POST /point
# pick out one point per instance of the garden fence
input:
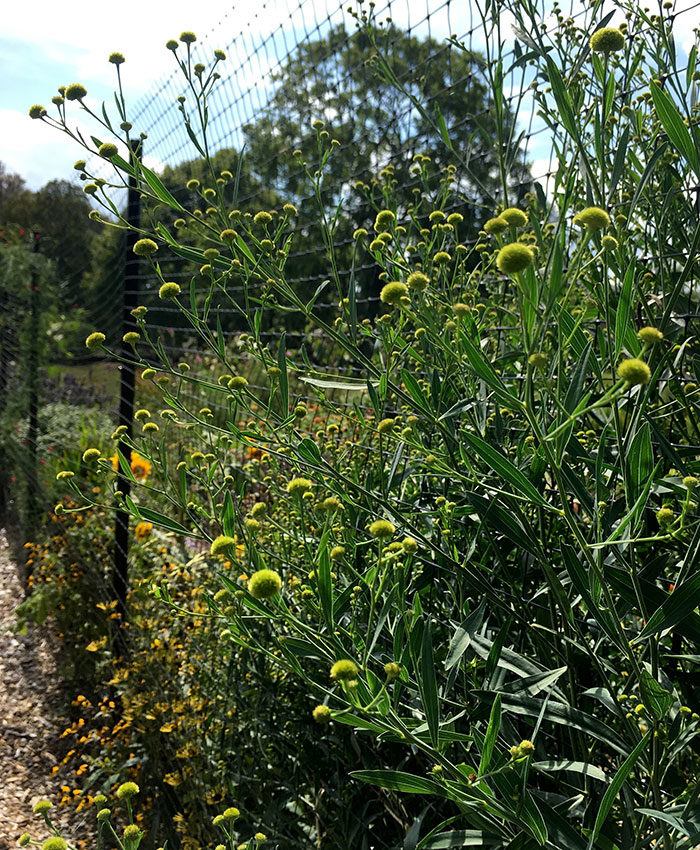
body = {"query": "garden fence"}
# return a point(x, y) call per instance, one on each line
point(259, 53)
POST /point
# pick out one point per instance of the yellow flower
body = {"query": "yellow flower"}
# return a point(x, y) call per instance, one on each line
point(143, 530)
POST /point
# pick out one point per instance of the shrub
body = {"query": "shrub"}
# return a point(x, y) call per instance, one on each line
point(525, 664)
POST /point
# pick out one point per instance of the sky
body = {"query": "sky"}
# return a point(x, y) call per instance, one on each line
point(46, 44)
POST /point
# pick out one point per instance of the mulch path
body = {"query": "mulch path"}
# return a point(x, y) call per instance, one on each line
point(33, 713)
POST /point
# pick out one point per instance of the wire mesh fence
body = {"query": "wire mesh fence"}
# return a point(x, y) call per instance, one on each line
point(289, 65)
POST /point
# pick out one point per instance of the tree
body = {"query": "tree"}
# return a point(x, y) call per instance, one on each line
point(59, 212)
point(10, 184)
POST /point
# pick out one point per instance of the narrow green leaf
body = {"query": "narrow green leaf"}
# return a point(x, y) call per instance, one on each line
point(684, 599)
point(228, 515)
point(335, 383)
point(672, 122)
point(504, 467)
point(308, 451)
point(442, 127)
point(428, 685)
point(397, 780)
point(165, 522)
point(624, 307)
point(559, 713)
point(656, 698)
point(460, 838)
point(640, 457)
point(572, 766)
point(491, 736)
point(463, 635)
point(159, 190)
point(283, 377)
point(325, 584)
point(615, 786)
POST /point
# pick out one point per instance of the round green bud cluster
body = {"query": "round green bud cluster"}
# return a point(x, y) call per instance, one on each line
point(442, 258)
point(188, 37)
point(592, 218)
point(262, 217)
point(260, 836)
point(192, 184)
point(131, 832)
point(526, 748)
point(650, 335)
point(337, 553)
point(231, 813)
point(144, 247)
point(107, 150)
point(221, 544)
point(298, 486)
point(64, 474)
point(42, 806)
point(514, 216)
point(665, 516)
point(54, 843)
point(91, 454)
point(514, 258)
point(386, 426)
point(171, 44)
point(95, 341)
point(131, 337)
point(117, 58)
point(252, 525)
point(460, 309)
point(80, 165)
point(127, 790)
point(494, 226)
point(90, 188)
point(258, 509)
point(607, 40)
point(410, 546)
point(219, 55)
point(609, 243)
point(344, 670)
point(538, 360)
point(58, 100)
point(322, 714)
point(150, 427)
point(382, 528)
point(331, 504)
point(199, 70)
point(384, 220)
point(228, 235)
point(169, 290)
point(103, 815)
point(634, 371)
point(418, 281)
point(76, 91)
point(24, 839)
point(37, 111)
point(690, 482)
point(393, 292)
point(264, 583)
point(237, 382)
point(392, 671)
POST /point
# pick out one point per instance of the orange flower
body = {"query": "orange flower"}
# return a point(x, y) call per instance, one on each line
point(143, 530)
point(140, 466)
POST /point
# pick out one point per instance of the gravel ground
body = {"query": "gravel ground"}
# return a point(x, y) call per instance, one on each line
point(32, 716)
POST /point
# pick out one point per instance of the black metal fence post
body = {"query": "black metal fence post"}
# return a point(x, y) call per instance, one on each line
point(120, 574)
point(33, 400)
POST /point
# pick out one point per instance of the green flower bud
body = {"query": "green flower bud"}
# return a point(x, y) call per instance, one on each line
point(607, 40)
point(75, 91)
